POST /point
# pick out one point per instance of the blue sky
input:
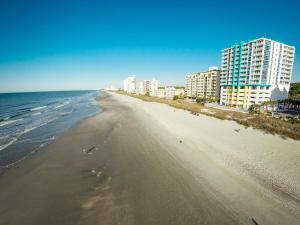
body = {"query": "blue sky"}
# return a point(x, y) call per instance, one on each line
point(69, 44)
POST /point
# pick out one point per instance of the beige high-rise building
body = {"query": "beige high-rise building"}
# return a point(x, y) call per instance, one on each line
point(204, 84)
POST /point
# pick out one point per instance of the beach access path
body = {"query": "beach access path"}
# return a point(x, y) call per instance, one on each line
point(147, 163)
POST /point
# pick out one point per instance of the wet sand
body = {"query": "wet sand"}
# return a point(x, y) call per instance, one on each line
point(126, 166)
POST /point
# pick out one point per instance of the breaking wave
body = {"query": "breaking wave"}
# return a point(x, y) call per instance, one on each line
point(7, 122)
point(38, 108)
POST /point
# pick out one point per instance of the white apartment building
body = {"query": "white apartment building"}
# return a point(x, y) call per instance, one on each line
point(144, 87)
point(130, 84)
point(170, 92)
point(255, 72)
point(203, 84)
point(153, 87)
point(148, 87)
point(141, 88)
point(111, 88)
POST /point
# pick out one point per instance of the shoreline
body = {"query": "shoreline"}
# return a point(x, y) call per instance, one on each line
point(147, 163)
point(3, 169)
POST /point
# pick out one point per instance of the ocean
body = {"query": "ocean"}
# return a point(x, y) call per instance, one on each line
point(30, 121)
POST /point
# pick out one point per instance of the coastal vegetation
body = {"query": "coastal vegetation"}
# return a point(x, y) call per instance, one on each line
point(255, 108)
point(294, 92)
point(175, 97)
point(262, 121)
point(202, 101)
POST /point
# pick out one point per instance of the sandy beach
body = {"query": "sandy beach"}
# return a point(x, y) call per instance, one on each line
point(150, 164)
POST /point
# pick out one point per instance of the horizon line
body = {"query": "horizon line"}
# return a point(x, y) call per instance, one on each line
point(13, 92)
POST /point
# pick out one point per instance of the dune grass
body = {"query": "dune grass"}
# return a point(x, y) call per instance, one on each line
point(264, 122)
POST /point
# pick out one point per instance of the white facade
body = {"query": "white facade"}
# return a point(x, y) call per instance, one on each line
point(170, 92)
point(255, 72)
point(203, 84)
point(141, 89)
point(146, 86)
point(153, 87)
point(111, 88)
point(130, 85)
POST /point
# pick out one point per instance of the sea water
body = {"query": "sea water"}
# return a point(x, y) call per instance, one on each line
point(29, 121)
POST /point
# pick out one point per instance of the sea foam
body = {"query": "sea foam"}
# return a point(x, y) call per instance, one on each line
point(38, 108)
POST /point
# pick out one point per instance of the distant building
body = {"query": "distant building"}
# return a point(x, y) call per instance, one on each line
point(130, 85)
point(190, 88)
point(141, 88)
point(153, 87)
point(180, 91)
point(161, 92)
point(146, 86)
point(170, 92)
point(111, 88)
point(204, 84)
point(255, 72)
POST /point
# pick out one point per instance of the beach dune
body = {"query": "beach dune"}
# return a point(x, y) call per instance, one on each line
point(150, 164)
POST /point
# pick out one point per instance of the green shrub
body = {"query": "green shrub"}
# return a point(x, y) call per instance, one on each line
point(175, 97)
point(254, 109)
point(200, 100)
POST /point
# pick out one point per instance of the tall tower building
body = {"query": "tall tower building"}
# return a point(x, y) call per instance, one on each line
point(254, 72)
point(153, 87)
point(129, 84)
point(146, 86)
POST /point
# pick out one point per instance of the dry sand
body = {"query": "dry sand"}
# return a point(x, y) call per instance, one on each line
point(148, 163)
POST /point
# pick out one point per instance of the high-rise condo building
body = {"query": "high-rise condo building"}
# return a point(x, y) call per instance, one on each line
point(130, 84)
point(148, 87)
point(255, 72)
point(153, 87)
point(203, 84)
point(144, 87)
point(141, 88)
